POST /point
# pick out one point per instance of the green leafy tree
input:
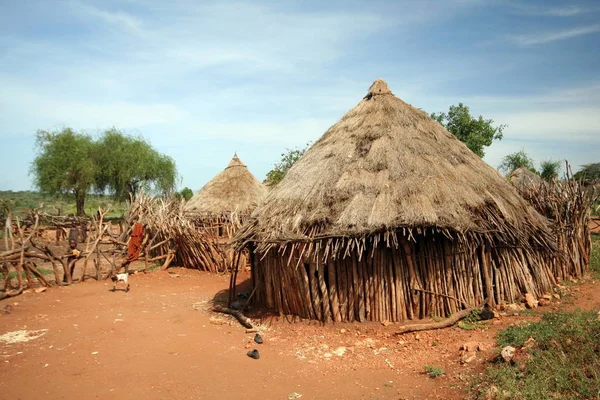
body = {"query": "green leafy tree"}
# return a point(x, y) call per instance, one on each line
point(516, 160)
point(549, 170)
point(64, 164)
point(127, 164)
point(589, 173)
point(476, 133)
point(288, 159)
point(186, 193)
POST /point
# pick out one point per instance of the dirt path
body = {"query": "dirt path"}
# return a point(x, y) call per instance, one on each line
point(153, 343)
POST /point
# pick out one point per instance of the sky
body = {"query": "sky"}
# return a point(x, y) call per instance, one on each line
point(201, 80)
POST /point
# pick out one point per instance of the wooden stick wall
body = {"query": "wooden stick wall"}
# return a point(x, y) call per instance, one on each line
point(434, 276)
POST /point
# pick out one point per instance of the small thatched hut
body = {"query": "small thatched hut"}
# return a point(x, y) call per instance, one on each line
point(223, 203)
point(389, 217)
point(522, 178)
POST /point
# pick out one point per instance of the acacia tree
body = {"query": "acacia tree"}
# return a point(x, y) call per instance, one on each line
point(516, 160)
point(476, 133)
point(288, 158)
point(186, 193)
point(589, 173)
point(64, 164)
point(127, 164)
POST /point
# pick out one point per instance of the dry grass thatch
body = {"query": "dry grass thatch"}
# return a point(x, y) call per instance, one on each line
point(523, 179)
point(387, 165)
point(234, 189)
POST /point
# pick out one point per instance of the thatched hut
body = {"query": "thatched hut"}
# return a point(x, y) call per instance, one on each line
point(389, 217)
point(522, 178)
point(222, 204)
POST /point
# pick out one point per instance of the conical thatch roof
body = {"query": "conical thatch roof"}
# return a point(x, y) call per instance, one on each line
point(234, 189)
point(387, 165)
point(523, 178)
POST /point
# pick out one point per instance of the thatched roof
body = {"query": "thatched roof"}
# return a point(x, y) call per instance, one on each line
point(387, 165)
point(522, 178)
point(234, 189)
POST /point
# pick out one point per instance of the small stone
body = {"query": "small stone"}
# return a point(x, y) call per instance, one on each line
point(468, 356)
point(543, 302)
point(343, 330)
point(530, 301)
point(417, 337)
point(472, 346)
point(547, 297)
point(386, 323)
point(556, 296)
point(41, 289)
point(94, 353)
point(514, 307)
point(253, 354)
point(327, 355)
point(521, 356)
point(339, 351)
point(529, 343)
point(258, 339)
point(508, 353)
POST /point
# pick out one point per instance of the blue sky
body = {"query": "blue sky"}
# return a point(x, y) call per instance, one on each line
point(202, 80)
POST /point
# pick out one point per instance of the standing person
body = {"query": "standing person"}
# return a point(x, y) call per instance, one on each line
point(72, 255)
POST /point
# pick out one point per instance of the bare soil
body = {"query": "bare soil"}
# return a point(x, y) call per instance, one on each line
point(160, 340)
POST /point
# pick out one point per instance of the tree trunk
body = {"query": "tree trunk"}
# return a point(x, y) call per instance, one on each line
point(80, 201)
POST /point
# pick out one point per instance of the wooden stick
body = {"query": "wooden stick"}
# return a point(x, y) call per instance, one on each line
point(442, 324)
point(245, 321)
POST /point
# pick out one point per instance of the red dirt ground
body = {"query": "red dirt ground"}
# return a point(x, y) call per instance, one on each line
point(160, 341)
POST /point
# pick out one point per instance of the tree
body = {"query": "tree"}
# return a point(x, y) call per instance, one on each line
point(516, 160)
point(127, 164)
point(288, 159)
point(549, 170)
point(186, 193)
point(589, 173)
point(476, 133)
point(64, 164)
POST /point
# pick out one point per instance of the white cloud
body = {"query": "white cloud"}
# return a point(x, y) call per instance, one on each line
point(548, 37)
point(568, 124)
point(117, 19)
point(568, 11)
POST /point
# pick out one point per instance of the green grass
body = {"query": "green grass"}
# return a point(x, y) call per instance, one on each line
point(13, 274)
point(434, 372)
point(472, 322)
point(595, 256)
point(564, 364)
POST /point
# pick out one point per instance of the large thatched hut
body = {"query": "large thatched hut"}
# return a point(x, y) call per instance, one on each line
point(222, 204)
point(389, 217)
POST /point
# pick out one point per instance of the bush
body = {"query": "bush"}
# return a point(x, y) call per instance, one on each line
point(434, 372)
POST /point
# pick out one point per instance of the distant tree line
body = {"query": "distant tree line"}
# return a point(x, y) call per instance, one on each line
point(73, 163)
point(548, 169)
